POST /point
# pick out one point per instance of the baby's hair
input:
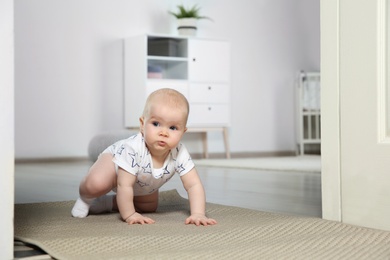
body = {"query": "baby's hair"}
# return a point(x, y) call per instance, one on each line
point(169, 96)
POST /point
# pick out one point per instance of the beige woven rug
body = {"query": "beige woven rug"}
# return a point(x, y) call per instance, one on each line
point(240, 234)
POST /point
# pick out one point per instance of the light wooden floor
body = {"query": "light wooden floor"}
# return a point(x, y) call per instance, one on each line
point(285, 192)
point(297, 193)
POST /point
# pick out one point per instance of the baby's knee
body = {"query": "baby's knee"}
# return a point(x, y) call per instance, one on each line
point(151, 208)
point(148, 207)
point(96, 185)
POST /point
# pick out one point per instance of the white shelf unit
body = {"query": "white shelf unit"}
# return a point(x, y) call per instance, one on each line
point(308, 110)
point(198, 68)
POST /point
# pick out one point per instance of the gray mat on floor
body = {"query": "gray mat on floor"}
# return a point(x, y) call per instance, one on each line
point(307, 163)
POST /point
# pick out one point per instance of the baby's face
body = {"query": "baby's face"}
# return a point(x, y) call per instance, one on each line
point(163, 128)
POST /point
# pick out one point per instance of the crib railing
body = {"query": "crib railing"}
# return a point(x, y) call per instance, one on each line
point(308, 110)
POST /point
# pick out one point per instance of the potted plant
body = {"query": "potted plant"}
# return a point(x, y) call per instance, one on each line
point(187, 19)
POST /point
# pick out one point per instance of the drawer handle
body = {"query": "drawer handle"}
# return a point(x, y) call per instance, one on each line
point(209, 108)
point(209, 87)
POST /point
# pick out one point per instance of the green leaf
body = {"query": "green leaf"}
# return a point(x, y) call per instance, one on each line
point(184, 12)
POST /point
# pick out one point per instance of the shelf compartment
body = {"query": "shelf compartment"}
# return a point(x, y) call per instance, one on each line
point(167, 47)
point(169, 68)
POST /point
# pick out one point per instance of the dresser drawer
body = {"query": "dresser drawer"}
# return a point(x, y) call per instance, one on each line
point(178, 85)
point(208, 115)
point(208, 93)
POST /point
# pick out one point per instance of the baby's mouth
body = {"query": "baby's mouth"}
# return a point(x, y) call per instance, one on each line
point(161, 143)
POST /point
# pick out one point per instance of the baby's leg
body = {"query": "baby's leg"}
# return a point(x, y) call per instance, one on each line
point(145, 204)
point(103, 204)
point(100, 179)
point(108, 203)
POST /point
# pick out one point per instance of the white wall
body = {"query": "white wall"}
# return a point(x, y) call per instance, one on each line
point(6, 129)
point(69, 75)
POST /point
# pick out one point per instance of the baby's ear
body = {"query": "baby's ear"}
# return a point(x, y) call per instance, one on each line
point(141, 124)
point(185, 129)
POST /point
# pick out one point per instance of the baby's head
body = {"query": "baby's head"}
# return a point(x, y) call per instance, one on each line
point(167, 97)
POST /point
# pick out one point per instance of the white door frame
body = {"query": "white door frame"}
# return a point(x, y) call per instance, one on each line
point(7, 128)
point(355, 116)
point(330, 111)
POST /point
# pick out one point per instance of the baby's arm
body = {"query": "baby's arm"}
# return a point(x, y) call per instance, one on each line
point(197, 198)
point(125, 197)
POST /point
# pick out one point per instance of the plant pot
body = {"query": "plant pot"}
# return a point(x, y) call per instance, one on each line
point(187, 26)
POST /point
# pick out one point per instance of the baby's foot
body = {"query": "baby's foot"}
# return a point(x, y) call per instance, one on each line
point(81, 208)
point(102, 204)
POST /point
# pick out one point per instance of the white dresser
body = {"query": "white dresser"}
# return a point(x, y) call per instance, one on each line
point(198, 68)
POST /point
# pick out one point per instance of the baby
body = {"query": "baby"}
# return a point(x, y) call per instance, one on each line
point(135, 168)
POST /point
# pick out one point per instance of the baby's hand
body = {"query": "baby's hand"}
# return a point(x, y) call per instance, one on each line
point(137, 218)
point(199, 219)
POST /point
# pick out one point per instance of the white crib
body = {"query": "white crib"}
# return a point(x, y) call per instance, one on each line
point(308, 110)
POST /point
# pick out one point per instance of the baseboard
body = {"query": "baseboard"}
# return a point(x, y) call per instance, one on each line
point(193, 155)
point(51, 160)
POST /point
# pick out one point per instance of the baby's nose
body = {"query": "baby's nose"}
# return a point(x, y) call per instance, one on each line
point(164, 132)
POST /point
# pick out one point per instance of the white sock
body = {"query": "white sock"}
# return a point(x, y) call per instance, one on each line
point(81, 208)
point(102, 204)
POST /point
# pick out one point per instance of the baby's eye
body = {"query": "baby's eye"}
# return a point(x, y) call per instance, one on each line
point(173, 128)
point(156, 123)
